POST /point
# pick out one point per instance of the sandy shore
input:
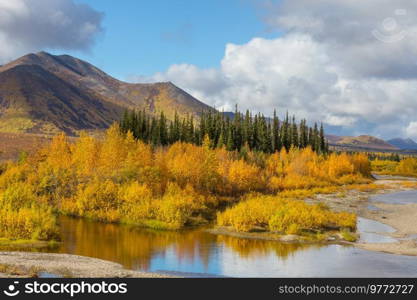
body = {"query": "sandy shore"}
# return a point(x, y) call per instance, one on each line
point(30, 264)
point(403, 218)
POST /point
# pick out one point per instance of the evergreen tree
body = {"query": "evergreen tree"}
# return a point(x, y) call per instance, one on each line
point(322, 139)
point(244, 131)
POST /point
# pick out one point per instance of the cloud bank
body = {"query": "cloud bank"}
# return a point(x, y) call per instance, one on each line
point(33, 25)
point(351, 64)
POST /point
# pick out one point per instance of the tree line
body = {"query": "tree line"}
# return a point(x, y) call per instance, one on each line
point(242, 131)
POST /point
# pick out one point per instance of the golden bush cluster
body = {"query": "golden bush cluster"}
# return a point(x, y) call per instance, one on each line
point(283, 215)
point(23, 216)
point(405, 167)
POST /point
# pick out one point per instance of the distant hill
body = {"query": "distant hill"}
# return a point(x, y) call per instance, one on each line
point(363, 142)
point(403, 144)
point(44, 93)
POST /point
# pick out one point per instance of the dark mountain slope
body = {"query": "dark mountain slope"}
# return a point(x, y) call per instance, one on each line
point(43, 102)
point(42, 93)
point(403, 144)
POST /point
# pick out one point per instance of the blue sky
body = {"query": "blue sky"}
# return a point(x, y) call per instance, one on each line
point(144, 37)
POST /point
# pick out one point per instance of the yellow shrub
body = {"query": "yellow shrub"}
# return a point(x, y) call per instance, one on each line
point(98, 200)
point(18, 195)
point(407, 167)
point(178, 205)
point(361, 164)
point(244, 177)
point(34, 223)
point(384, 166)
point(339, 165)
point(23, 216)
point(136, 202)
point(283, 215)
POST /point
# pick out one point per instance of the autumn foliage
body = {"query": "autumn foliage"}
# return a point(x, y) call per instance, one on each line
point(406, 166)
point(283, 215)
point(120, 179)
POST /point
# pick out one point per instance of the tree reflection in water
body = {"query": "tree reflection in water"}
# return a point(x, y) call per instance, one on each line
point(135, 248)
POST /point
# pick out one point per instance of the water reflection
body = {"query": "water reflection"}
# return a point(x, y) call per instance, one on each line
point(252, 249)
point(141, 249)
point(130, 246)
point(197, 253)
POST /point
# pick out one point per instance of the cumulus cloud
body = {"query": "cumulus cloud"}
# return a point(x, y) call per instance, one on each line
point(412, 130)
point(382, 33)
point(351, 64)
point(32, 25)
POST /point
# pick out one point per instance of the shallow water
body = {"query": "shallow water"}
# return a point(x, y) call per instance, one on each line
point(372, 231)
point(195, 253)
point(48, 275)
point(373, 207)
point(405, 197)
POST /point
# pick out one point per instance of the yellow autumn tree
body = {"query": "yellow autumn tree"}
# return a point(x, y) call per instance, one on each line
point(113, 152)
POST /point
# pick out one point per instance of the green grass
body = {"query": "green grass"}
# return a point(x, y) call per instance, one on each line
point(348, 236)
point(22, 243)
point(158, 225)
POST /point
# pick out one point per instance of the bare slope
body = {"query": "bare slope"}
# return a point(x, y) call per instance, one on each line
point(362, 141)
point(44, 93)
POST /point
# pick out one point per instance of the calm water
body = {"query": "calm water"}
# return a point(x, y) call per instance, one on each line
point(373, 232)
point(405, 197)
point(197, 253)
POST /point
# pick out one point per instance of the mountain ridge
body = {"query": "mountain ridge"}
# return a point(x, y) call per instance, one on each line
point(403, 144)
point(362, 141)
point(29, 104)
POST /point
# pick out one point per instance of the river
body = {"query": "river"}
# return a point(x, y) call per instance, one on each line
point(196, 253)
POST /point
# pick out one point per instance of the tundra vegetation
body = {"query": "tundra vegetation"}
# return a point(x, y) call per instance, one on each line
point(122, 179)
point(405, 166)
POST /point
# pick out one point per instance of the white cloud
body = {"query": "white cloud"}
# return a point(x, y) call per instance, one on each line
point(33, 25)
point(328, 66)
point(412, 130)
point(382, 33)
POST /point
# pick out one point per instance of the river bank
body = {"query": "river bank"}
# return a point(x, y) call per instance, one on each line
point(402, 217)
point(32, 264)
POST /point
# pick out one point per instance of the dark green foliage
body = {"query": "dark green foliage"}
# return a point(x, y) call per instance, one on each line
point(385, 156)
point(242, 133)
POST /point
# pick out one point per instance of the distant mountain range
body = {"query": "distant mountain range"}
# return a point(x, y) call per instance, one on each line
point(44, 93)
point(367, 142)
point(363, 141)
point(405, 144)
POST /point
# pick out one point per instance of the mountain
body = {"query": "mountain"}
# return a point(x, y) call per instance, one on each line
point(362, 142)
point(44, 93)
point(403, 144)
point(333, 139)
